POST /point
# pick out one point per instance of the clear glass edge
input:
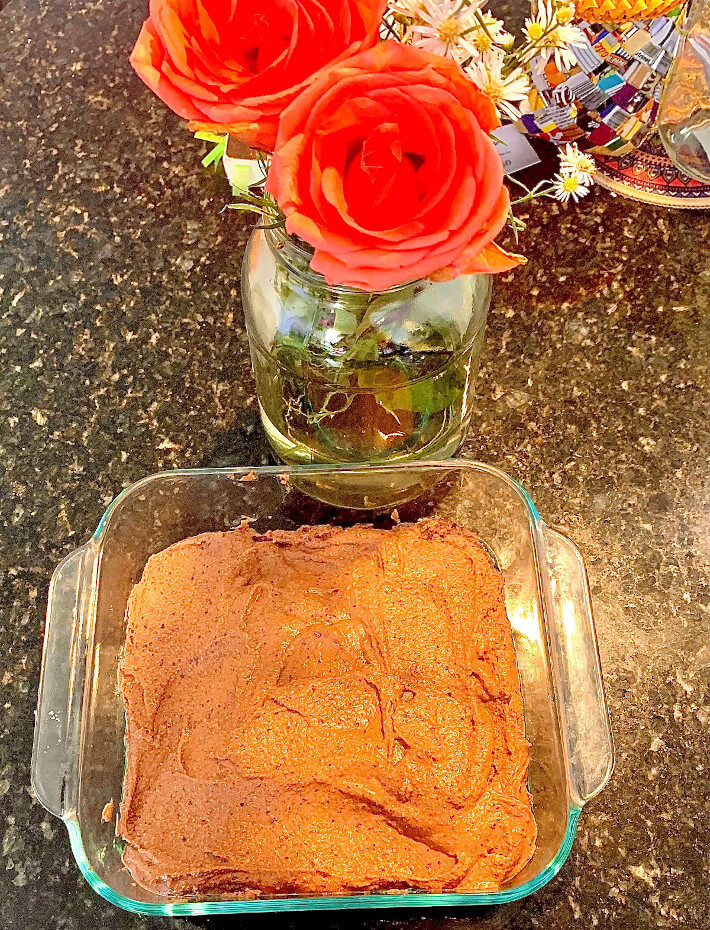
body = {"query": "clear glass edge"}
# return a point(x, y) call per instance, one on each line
point(611, 761)
point(42, 699)
point(275, 470)
point(340, 290)
point(385, 901)
point(413, 899)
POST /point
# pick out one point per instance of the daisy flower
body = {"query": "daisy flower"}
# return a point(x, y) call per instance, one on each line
point(550, 34)
point(440, 27)
point(576, 163)
point(506, 92)
point(566, 187)
point(536, 25)
point(484, 34)
point(557, 45)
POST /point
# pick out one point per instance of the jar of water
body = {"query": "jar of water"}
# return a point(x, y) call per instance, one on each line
point(344, 375)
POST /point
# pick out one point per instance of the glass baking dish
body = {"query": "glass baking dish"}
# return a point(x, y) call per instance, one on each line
point(78, 756)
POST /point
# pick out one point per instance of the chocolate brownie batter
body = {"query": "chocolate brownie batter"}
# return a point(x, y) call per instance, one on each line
point(323, 711)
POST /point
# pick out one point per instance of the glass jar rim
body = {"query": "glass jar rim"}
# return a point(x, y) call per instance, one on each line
point(297, 258)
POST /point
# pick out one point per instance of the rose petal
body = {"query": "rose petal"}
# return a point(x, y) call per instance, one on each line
point(146, 59)
point(492, 259)
point(236, 66)
point(384, 165)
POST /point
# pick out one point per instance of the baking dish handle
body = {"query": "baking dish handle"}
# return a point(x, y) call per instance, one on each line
point(577, 669)
point(55, 749)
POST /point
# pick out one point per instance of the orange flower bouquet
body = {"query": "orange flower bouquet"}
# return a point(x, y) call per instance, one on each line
point(367, 283)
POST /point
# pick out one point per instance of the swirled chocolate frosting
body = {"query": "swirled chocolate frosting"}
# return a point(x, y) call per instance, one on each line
point(323, 711)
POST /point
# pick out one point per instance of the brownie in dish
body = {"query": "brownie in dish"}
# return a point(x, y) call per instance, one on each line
point(323, 711)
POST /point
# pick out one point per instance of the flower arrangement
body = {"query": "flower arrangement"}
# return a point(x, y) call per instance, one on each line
point(483, 48)
point(375, 123)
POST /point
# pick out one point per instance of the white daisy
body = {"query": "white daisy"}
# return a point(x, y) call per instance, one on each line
point(483, 35)
point(440, 27)
point(550, 34)
point(533, 31)
point(558, 45)
point(542, 20)
point(568, 187)
point(576, 163)
point(506, 92)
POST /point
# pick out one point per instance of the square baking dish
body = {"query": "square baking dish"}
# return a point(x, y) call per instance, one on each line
point(78, 756)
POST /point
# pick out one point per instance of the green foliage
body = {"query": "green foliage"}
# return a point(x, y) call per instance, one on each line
point(331, 359)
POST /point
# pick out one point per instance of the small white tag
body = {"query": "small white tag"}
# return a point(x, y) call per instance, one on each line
point(514, 149)
point(241, 173)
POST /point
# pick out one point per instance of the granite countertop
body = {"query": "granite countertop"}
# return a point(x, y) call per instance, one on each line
point(123, 351)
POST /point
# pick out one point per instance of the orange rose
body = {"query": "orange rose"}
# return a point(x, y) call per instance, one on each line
point(234, 66)
point(384, 165)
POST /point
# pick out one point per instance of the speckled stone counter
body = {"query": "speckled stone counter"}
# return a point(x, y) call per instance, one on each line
point(123, 351)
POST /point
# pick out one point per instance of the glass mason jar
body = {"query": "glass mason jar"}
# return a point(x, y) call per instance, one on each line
point(684, 112)
point(344, 375)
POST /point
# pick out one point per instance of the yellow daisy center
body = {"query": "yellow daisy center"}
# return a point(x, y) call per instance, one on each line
point(552, 40)
point(570, 183)
point(535, 30)
point(481, 41)
point(496, 93)
point(449, 30)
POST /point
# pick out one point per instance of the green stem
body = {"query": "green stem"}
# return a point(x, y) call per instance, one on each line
point(534, 194)
point(482, 23)
point(513, 223)
point(516, 58)
point(519, 183)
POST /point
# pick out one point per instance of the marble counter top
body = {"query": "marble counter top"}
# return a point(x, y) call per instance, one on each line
point(123, 351)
